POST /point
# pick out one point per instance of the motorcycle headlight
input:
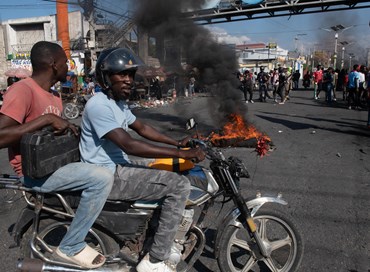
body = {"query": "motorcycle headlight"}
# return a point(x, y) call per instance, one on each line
point(237, 168)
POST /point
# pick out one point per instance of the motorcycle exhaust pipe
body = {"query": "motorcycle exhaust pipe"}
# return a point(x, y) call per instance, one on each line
point(36, 265)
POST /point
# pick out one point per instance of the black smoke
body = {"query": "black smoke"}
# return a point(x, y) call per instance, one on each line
point(215, 63)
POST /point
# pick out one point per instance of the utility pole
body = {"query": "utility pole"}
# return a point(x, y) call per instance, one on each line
point(88, 7)
point(335, 51)
point(63, 25)
point(337, 29)
point(351, 55)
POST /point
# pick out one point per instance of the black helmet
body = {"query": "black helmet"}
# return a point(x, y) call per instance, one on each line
point(115, 60)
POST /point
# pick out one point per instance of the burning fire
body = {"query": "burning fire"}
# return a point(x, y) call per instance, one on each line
point(236, 132)
point(237, 128)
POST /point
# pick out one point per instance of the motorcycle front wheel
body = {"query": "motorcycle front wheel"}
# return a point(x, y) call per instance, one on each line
point(51, 233)
point(279, 235)
point(71, 111)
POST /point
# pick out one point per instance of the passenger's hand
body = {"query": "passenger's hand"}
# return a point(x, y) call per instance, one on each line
point(61, 125)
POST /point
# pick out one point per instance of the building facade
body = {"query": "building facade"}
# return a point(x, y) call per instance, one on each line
point(17, 37)
point(252, 56)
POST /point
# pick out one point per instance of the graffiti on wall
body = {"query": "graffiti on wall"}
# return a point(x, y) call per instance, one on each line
point(21, 63)
point(75, 64)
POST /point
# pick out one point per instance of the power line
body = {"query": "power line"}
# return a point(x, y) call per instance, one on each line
point(63, 2)
point(25, 6)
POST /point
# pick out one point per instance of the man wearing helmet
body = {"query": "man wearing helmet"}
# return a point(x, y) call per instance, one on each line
point(105, 141)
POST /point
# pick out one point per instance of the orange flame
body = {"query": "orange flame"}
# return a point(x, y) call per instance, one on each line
point(237, 128)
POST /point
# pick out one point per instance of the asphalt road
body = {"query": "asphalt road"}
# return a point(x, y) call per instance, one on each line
point(320, 163)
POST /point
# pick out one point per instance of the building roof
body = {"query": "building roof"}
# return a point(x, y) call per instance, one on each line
point(250, 46)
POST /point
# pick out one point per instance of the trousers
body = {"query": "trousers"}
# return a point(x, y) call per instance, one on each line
point(136, 181)
point(95, 182)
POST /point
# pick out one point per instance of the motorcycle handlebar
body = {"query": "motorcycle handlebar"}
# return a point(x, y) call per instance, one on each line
point(207, 148)
point(196, 142)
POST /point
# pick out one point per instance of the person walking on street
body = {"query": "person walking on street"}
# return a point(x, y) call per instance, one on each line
point(361, 89)
point(248, 87)
point(341, 83)
point(307, 79)
point(262, 79)
point(335, 83)
point(288, 83)
point(353, 86)
point(296, 76)
point(317, 79)
point(275, 84)
point(282, 83)
point(328, 80)
point(29, 105)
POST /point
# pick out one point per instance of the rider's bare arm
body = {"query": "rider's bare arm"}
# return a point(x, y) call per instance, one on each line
point(150, 133)
point(143, 149)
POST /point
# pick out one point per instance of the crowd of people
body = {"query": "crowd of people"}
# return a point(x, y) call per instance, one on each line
point(354, 85)
point(276, 83)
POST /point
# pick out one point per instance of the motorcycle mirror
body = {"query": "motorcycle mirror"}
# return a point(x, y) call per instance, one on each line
point(190, 124)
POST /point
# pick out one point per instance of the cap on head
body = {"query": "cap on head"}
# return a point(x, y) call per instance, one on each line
point(115, 60)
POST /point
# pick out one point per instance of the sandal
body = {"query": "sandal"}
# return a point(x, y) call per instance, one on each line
point(84, 258)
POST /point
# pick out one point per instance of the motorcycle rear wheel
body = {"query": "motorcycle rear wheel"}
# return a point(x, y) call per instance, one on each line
point(71, 111)
point(52, 231)
point(279, 234)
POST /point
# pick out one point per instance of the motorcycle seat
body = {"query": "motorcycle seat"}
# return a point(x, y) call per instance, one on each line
point(73, 199)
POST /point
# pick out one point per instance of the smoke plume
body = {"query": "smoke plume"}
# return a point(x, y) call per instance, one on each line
point(350, 35)
point(215, 63)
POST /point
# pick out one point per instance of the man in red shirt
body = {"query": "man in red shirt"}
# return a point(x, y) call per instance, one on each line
point(28, 106)
point(317, 79)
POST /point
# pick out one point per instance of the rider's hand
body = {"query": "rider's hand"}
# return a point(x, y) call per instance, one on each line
point(200, 155)
point(184, 142)
point(195, 154)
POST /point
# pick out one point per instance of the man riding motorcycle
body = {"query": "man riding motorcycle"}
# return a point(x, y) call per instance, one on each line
point(106, 142)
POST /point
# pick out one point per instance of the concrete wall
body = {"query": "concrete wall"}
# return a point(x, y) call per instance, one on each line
point(78, 26)
point(3, 63)
point(21, 34)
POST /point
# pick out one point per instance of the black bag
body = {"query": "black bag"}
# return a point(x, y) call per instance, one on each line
point(43, 152)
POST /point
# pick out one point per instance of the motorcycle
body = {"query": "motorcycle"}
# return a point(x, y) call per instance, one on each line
point(254, 235)
point(73, 109)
